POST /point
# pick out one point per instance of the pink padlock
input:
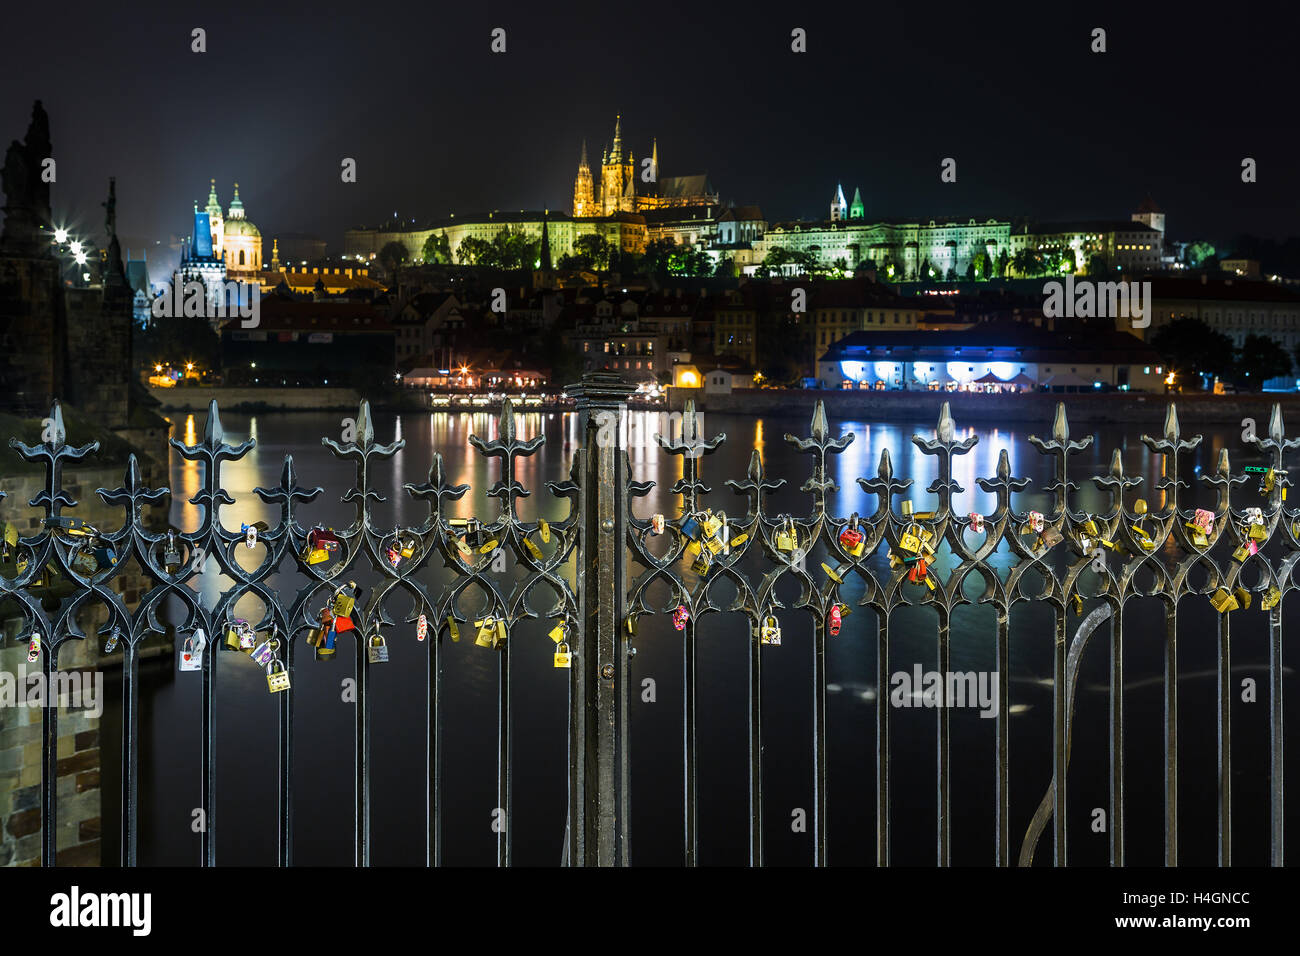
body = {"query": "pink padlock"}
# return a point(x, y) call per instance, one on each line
point(1036, 522)
point(422, 628)
point(1204, 520)
point(34, 648)
point(977, 522)
point(680, 617)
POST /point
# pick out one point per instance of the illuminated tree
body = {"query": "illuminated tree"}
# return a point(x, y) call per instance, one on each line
point(474, 252)
point(594, 249)
point(437, 249)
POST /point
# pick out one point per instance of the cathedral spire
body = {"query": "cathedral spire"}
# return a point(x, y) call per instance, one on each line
point(236, 207)
point(654, 157)
point(582, 163)
point(616, 151)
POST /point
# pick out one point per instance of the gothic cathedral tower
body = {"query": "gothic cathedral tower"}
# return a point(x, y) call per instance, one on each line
point(584, 198)
point(617, 192)
point(215, 221)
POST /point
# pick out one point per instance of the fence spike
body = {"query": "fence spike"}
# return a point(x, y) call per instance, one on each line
point(213, 433)
point(1117, 464)
point(1275, 429)
point(1171, 423)
point(1061, 424)
point(820, 426)
point(506, 425)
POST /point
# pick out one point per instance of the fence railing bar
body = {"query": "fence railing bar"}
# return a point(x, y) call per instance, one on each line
point(208, 755)
point(49, 767)
point(1171, 737)
point(882, 738)
point(362, 749)
point(130, 758)
point(506, 820)
point(943, 767)
point(285, 786)
point(433, 753)
point(1060, 738)
point(1116, 738)
point(1223, 740)
point(820, 821)
point(690, 767)
point(1276, 739)
point(755, 751)
point(1002, 747)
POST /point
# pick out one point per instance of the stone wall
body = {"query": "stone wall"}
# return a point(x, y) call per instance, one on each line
point(257, 399)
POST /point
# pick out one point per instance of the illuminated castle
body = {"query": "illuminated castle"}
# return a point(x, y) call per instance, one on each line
point(617, 188)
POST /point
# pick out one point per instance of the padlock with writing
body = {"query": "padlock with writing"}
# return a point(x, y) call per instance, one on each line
point(453, 631)
point(680, 617)
point(421, 628)
point(691, 527)
point(264, 652)
point(191, 658)
point(344, 603)
point(786, 538)
point(34, 648)
point(1270, 598)
point(657, 523)
point(562, 656)
point(834, 619)
point(83, 561)
point(976, 522)
point(1034, 522)
point(377, 652)
point(770, 631)
point(487, 632)
point(277, 676)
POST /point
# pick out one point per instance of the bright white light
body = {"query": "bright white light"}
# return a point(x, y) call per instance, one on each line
point(81, 258)
point(75, 247)
point(60, 236)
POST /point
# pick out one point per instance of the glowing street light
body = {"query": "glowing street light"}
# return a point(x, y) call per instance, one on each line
point(81, 258)
point(60, 236)
point(75, 247)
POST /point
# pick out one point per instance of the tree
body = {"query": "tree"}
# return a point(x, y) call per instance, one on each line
point(1259, 359)
point(437, 249)
point(392, 256)
point(593, 248)
point(1098, 265)
point(657, 253)
point(1191, 347)
point(726, 267)
point(1197, 253)
point(1003, 260)
point(971, 270)
point(474, 252)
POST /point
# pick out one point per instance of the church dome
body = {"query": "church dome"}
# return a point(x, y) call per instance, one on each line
point(241, 227)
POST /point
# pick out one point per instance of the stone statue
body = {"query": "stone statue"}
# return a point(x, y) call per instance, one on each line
point(27, 195)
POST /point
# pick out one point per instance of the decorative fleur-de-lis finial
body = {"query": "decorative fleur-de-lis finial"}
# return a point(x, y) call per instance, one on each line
point(287, 492)
point(884, 485)
point(1115, 482)
point(819, 444)
point(692, 443)
point(507, 447)
point(755, 483)
point(134, 494)
point(1061, 425)
point(1223, 480)
point(53, 451)
point(1002, 485)
point(1171, 445)
point(1060, 447)
point(435, 490)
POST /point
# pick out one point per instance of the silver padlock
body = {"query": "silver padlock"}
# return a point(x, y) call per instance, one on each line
point(377, 652)
point(192, 651)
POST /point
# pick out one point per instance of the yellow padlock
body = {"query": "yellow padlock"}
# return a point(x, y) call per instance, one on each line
point(544, 530)
point(487, 628)
point(452, 629)
point(559, 633)
point(1270, 599)
point(770, 631)
point(1223, 602)
point(562, 655)
point(488, 547)
point(533, 549)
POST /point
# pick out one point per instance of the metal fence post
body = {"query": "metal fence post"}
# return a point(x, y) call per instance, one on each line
point(600, 683)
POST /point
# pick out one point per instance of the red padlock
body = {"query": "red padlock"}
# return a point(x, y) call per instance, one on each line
point(834, 620)
point(916, 574)
point(851, 538)
point(680, 617)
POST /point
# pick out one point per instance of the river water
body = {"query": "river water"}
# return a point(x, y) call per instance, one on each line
point(324, 769)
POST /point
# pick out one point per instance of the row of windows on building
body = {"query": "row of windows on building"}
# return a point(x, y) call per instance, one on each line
point(637, 348)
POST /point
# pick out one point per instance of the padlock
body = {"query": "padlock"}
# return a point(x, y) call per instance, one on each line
point(114, 636)
point(487, 628)
point(852, 540)
point(234, 632)
point(1267, 482)
point(343, 603)
point(1202, 519)
point(976, 522)
point(1034, 523)
point(1270, 598)
point(171, 557)
point(690, 527)
point(562, 656)
point(1049, 539)
point(910, 541)
point(1223, 602)
point(408, 546)
point(834, 619)
point(251, 531)
point(1258, 533)
point(34, 648)
point(73, 527)
point(1078, 604)
point(1253, 515)
point(711, 525)
point(453, 631)
point(703, 563)
point(394, 555)
point(277, 676)
point(105, 556)
point(680, 617)
point(1243, 598)
point(629, 625)
point(421, 628)
point(544, 530)
point(263, 652)
point(907, 508)
point(560, 632)
point(10, 547)
point(737, 541)
point(377, 652)
point(657, 523)
point(533, 550)
point(316, 636)
point(488, 546)
point(770, 631)
point(320, 542)
point(83, 561)
point(835, 574)
point(1197, 536)
point(1242, 553)
point(192, 651)
point(463, 549)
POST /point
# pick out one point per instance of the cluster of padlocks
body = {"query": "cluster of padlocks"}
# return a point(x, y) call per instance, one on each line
point(915, 547)
point(89, 552)
point(239, 636)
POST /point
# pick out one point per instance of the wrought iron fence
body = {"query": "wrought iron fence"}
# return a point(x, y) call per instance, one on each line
point(598, 566)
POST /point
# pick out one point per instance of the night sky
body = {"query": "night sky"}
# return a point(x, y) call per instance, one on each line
point(1039, 126)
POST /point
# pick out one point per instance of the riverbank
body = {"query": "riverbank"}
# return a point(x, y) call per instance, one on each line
point(973, 408)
